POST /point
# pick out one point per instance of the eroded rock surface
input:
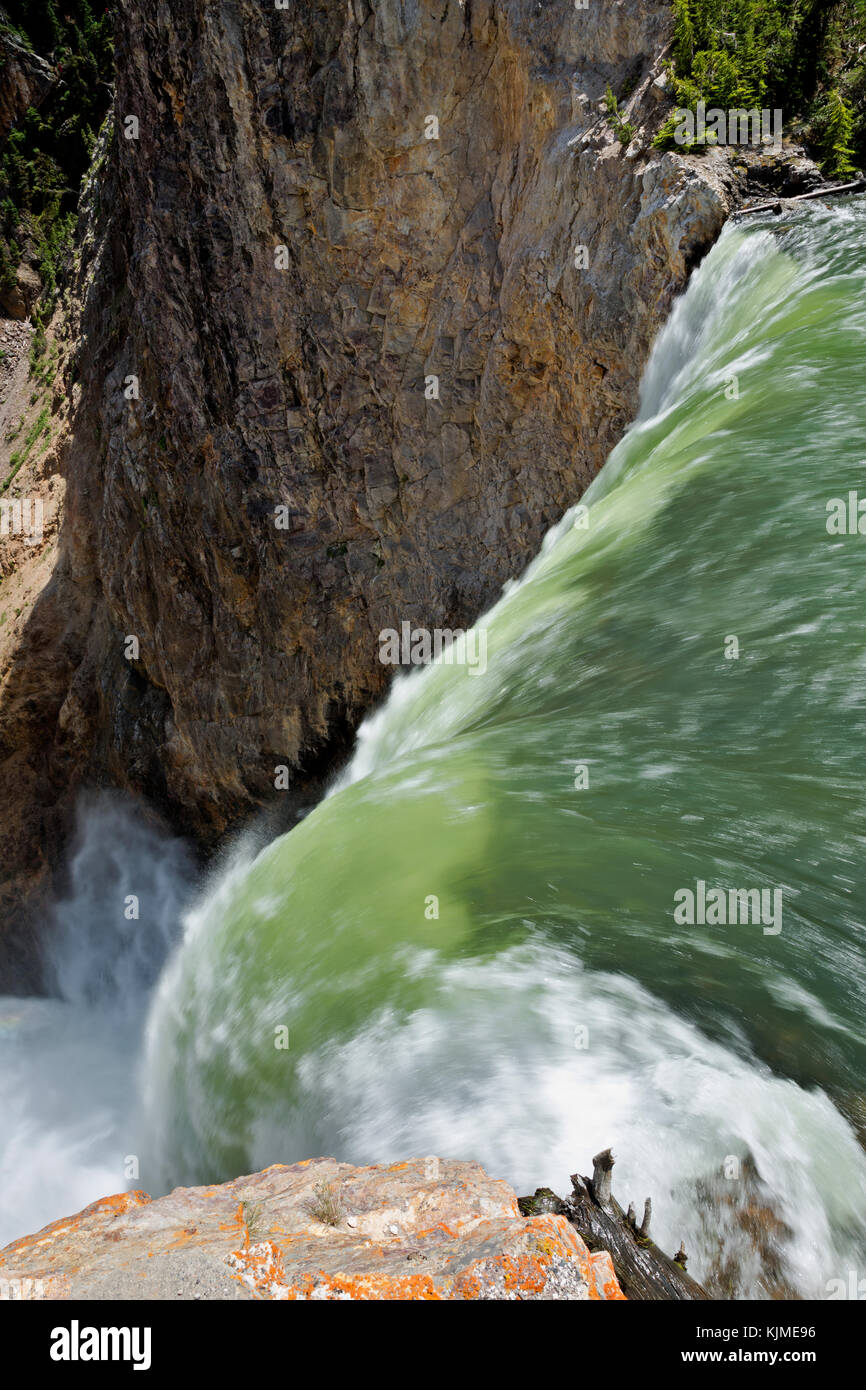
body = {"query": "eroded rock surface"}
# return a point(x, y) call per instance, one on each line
point(428, 1228)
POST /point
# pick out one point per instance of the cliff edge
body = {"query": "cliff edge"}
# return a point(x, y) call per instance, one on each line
point(429, 1228)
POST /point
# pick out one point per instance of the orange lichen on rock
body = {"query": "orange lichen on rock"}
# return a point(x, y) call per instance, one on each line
point(114, 1205)
point(409, 1231)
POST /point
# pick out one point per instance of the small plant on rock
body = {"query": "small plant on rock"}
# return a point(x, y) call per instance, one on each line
point(253, 1220)
point(622, 129)
point(326, 1205)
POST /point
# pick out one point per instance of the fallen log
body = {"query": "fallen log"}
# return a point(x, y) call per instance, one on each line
point(644, 1272)
point(778, 204)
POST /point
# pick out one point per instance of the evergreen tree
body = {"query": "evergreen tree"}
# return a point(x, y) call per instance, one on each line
point(684, 38)
point(838, 137)
point(803, 56)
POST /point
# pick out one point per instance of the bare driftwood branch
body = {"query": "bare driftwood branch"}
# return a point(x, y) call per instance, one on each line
point(647, 1217)
point(778, 204)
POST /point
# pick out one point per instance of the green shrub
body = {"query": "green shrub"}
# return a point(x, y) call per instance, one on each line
point(666, 138)
point(622, 129)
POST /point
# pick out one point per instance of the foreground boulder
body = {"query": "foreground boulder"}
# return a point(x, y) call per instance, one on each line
point(426, 1229)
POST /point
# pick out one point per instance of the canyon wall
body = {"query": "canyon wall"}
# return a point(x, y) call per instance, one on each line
point(361, 302)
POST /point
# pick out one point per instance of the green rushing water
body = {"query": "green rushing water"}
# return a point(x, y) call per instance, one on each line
point(674, 696)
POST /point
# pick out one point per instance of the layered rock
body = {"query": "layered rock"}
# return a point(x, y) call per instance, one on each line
point(289, 297)
point(428, 1228)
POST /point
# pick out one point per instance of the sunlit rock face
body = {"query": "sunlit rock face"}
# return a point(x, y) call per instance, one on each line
point(424, 1229)
point(385, 268)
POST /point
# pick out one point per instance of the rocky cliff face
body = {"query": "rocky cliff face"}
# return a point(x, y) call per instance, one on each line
point(25, 77)
point(426, 1229)
point(420, 349)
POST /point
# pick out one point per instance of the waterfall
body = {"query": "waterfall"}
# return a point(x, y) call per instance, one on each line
point(67, 1062)
point(527, 922)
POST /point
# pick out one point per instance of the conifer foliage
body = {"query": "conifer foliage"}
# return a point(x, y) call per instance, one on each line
point(804, 57)
point(49, 149)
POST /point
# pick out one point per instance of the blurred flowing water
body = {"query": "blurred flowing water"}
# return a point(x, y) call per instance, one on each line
point(67, 1063)
point(472, 940)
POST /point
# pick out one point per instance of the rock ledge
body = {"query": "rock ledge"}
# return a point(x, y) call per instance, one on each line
point(428, 1228)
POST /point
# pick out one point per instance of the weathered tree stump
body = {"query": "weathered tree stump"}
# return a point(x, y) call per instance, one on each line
point(644, 1271)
